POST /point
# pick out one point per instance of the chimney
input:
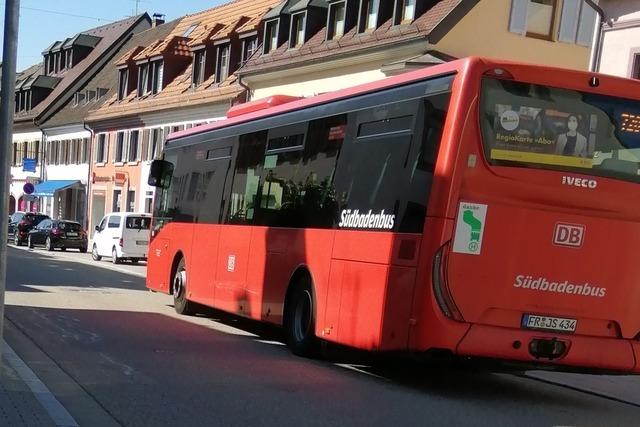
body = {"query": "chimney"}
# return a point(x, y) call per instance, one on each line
point(158, 19)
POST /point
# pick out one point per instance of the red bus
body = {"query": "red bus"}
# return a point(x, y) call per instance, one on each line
point(482, 208)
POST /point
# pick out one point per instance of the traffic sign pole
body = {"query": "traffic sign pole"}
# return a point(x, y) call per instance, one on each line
point(7, 102)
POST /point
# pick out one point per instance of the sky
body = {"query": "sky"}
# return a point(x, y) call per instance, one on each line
point(42, 22)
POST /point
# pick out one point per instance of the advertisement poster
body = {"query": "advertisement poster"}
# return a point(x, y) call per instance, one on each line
point(544, 136)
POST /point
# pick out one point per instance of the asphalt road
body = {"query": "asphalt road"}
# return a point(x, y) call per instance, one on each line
point(114, 353)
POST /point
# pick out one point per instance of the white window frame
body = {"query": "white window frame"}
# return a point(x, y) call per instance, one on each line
point(297, 34)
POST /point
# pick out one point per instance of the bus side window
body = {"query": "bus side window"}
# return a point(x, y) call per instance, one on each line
point(246, 181)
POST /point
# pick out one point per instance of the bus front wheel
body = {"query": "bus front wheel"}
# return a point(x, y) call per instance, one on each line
point(180, 302)
point(300, 320)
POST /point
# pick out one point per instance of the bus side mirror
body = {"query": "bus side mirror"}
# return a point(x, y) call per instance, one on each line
point(160, 173)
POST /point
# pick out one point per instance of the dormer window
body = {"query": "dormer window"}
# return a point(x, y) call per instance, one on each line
point(23, 101)
point(123, 83)
point(157, 74)
point(368, 15)
point(222, 63)
point(199, 61)
point(68, 60)
point(335, 27)
point(249, 46)
point(101, 92)
point(271, 36)
point(150, 76)
point(405, 12)
point(296, 36)
point(143, 80)
point(57, 62)
point(78, 98)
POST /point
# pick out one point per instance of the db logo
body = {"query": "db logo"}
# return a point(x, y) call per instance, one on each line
point(571, 235)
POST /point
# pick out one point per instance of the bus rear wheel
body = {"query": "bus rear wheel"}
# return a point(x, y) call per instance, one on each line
point(299, 320)
point(180, 302)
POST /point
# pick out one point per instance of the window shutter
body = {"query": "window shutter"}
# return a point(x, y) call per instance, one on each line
point(569, 21)
point(144, 144)
point(586, 26)
point(518, 18)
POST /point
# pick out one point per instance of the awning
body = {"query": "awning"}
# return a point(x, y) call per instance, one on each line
point(48, 188)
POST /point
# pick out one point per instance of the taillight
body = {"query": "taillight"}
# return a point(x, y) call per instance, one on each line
point(56, 231)
point(441, 287)
point(121, 242)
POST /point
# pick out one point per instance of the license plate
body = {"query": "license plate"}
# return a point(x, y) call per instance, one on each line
point(72, 234)
point(142, 242)
point(560, 324)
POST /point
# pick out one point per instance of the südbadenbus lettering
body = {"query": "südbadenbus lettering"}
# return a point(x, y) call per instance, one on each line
point(545, 285)
point(354, 219)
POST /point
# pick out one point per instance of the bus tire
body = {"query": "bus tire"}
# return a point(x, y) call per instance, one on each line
point(299, 319)
point(179, 287)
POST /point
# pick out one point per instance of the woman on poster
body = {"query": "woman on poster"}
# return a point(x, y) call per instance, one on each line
point(572, 143)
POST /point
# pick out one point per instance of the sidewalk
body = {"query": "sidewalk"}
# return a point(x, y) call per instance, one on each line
point(18, 403)
point(624, 388)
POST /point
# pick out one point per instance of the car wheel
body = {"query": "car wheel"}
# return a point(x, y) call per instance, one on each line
point(114, 256)
point(299, 320)
point(180, 302)
point(94, 253)
point(16, 240)
point(63, 249)
point(29, 243)
point(83, 250)
point(48, 244)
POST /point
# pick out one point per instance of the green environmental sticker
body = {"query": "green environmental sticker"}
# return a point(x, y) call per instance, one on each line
point(470, 228)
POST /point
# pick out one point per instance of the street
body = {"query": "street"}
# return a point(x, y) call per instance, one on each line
point(114, 353)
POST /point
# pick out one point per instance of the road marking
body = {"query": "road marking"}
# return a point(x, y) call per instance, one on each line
point(67, 256)
point(60, 416)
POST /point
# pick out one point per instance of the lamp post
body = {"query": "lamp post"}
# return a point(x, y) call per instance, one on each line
point(7, 102)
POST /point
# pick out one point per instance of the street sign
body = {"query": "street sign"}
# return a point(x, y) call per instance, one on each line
point(28, 188)
point(29, 165)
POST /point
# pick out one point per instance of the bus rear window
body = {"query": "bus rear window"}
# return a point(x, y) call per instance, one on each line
point(536, 126)
point(138, 222)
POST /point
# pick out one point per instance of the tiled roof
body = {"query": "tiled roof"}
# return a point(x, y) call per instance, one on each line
point(173, 46)
point(229, 28)
point(200, 27)
point(131, 53)
point(317, 48)
point(107, 78)
point(250, 25)
point(203, 36)
point(109, 34)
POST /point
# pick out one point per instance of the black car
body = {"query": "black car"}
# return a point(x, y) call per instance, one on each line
point(21, 223)
point(58, 233)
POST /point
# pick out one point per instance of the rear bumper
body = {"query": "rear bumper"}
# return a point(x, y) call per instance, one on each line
point(65, 243)
point(597, 353)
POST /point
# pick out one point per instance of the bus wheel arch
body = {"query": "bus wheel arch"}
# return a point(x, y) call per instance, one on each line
point(299, 317)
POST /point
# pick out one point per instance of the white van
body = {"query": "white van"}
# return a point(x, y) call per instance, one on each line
point(122, 235)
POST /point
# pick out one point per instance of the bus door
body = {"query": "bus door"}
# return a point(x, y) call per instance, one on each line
point(213, 183)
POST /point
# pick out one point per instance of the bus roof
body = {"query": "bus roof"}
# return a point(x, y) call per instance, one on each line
point(562, 77)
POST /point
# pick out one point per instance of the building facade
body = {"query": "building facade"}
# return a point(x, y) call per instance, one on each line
point(313, 46)
point(41, 92)
point(617, 50)
point(182, 80)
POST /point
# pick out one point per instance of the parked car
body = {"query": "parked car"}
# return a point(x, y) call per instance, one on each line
point(122, 235)
point(21, 223)
point(57, 233)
